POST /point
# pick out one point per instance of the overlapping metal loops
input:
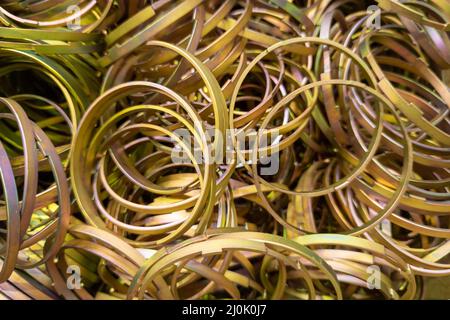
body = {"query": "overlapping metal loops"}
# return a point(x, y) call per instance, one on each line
point(94, 93)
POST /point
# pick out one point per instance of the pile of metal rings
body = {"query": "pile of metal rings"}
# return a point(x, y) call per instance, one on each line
point(354, 96)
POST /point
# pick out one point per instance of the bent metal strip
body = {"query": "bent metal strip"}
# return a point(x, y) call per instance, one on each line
point(230, 149)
